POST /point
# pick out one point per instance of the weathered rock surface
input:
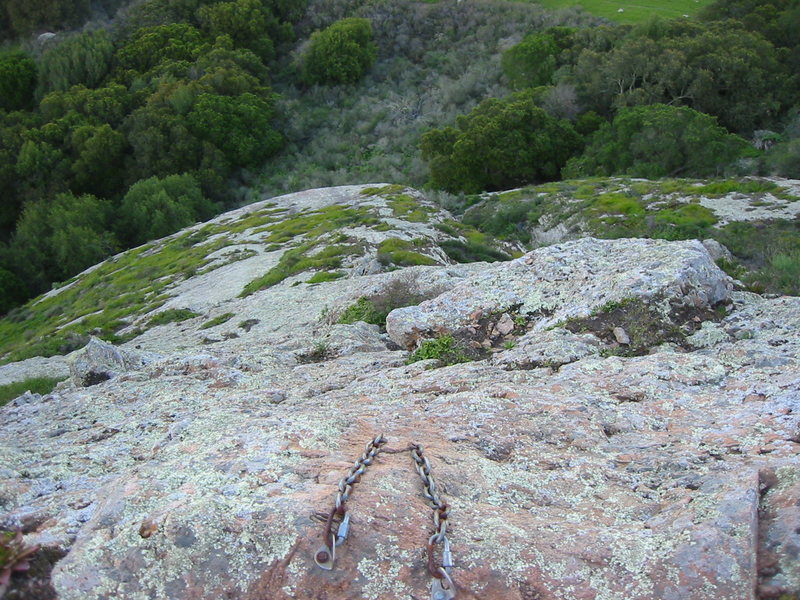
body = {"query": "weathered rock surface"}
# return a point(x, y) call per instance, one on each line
point(197, 475)
point(99, 361)
point(55, 366)
point(551, 348)
point(569, 281)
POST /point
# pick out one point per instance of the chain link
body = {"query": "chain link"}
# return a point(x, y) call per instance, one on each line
point(442, 587)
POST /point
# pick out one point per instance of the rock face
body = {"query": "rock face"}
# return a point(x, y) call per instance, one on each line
point(569, 281)
point(575, 468)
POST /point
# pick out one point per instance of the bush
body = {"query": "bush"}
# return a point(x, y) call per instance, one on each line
point(363, 310)
point(532, 62)
point(13, 291)
point(500, 144)
point(154, 208)
point(342, 53)
point(658, 141)
point(58, 238)
point(374, 309)
point(171, 315)
point(445, 349)
point(240, 126)
point(217, 321)
point(84, 58)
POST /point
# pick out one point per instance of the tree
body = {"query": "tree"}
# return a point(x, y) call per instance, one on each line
point(532, 62)
point(658, 141)
point(500, 144)
point(163, 144)
point(247, 22)
point(97, 166)
point(240, 126)
point(12, 129)
point(720, 69)
point(150, 46)
point(154, 208)
point(57, 238)
point(17, 80)
point(342, 53)
point(84, 58)
point(13, 291)
point(108, 104)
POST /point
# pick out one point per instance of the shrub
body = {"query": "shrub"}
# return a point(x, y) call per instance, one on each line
point(472, 251)
point(342, 53)
point(658, 141)
point(400, 292)
point(363, 310)
point(217, 321)
point(445, 349)
point(323, 276)
point(17, 80)
point(155, 208)
point(500, 144)
point(532, 62)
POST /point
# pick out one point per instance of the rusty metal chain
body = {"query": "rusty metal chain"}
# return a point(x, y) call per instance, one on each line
point(442, 586)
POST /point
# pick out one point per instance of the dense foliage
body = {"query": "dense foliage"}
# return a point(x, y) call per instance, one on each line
point(670, 87)
point(341, 53)
point(658, 141)
point(113, 137)
point(500, 144)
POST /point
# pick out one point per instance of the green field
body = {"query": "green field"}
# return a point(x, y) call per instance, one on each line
point(632, 12)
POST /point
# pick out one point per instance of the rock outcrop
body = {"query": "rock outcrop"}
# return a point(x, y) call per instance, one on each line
point(571, 281)
point(577, 467)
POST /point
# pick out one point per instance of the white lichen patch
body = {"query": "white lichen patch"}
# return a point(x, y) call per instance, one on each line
point(381, 573)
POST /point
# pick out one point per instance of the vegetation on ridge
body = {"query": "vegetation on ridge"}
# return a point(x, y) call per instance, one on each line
point(122, 132)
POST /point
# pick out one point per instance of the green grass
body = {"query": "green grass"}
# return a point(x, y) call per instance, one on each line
point(172, 315)
point(399, 252)
point(37, 385)
point(104, 300)
point(405, 207)
point(637, 11)
point(363, 310)
point(298, 260)
point(217, 321)
point(324, 276)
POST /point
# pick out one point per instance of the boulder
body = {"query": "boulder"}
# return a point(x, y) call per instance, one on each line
point(99, 361)
point(570, 281)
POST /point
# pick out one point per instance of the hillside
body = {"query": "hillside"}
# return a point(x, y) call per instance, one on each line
point(624, 395)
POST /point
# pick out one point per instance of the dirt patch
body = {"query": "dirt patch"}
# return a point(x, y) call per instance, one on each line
point(643, 325)
point(34, 584)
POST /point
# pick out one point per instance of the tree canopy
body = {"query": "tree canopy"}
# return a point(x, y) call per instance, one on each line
point(342, 53)
point(17, 80)
point(658, 141)
point(500, 144)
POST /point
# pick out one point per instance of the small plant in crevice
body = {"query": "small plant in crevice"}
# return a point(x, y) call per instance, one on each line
point(365, 310)
point(248, 324)
point(446, 349)
point(14, 556)
point(319, 353)
point(374, 309)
